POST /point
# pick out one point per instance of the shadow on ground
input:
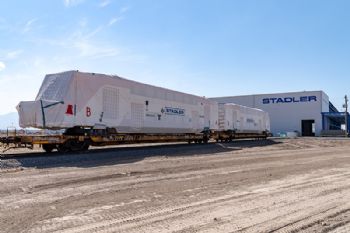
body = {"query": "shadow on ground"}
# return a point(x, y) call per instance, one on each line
point(120, 155)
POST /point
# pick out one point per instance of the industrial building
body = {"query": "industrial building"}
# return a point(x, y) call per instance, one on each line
point(310, 113)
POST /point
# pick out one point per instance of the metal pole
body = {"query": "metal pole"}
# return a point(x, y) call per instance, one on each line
point(346, 116)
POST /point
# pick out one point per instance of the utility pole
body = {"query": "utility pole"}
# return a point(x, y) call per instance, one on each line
point(346, 115)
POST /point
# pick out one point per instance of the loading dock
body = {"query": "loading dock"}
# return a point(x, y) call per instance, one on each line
point(308, 128)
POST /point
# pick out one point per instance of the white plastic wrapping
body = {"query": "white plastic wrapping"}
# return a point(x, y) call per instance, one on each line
point(243, 119)
point(74, 98)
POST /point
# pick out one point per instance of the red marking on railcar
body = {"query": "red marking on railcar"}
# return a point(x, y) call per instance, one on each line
point(69, 110)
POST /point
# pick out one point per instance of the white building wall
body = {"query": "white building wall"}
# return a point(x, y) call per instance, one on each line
point(286, 110)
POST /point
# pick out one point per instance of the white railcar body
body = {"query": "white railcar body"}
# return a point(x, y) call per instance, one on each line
point(241, 119)
point(74, 98)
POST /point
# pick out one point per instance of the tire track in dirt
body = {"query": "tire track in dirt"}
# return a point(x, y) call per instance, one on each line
point(171, 213)
point(288, 187)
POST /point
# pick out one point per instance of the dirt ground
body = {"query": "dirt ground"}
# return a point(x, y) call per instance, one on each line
point(279, 185)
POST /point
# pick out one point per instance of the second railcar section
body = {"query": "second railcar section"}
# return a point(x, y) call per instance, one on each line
point(237, 121)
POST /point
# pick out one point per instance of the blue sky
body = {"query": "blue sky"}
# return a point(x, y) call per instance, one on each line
point(208, 48)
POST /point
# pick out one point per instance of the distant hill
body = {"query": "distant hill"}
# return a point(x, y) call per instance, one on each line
point(9, 120)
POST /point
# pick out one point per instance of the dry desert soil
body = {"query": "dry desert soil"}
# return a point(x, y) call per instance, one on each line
point(277, 185)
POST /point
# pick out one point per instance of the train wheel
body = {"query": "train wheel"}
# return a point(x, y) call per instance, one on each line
point(48, 148)
point(63, 148)
point(72, 145)
point(86, 145)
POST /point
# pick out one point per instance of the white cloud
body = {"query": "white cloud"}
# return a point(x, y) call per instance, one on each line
point(124, 9)
point(13, 54)
point(114, 20)
point(2, 66)
point(91, 50)
point(104, 3)
point(92, 33)
point(83, 44)
point(69, 3)
point(29, 25)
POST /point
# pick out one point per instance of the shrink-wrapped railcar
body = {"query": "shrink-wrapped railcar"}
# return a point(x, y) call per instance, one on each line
point(98, 109)
point(237, 121)
point(71, 99)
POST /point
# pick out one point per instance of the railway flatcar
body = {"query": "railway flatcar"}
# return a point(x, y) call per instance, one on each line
point(89, 104)
point(98, 109)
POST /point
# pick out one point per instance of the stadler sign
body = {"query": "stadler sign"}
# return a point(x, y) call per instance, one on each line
point(173, 111)
point(301, 99)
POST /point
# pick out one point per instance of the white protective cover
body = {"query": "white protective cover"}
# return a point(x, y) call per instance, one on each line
point(74, 98)
point(243, 119)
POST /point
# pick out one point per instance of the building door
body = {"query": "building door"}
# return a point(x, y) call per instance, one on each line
point(308, 128)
